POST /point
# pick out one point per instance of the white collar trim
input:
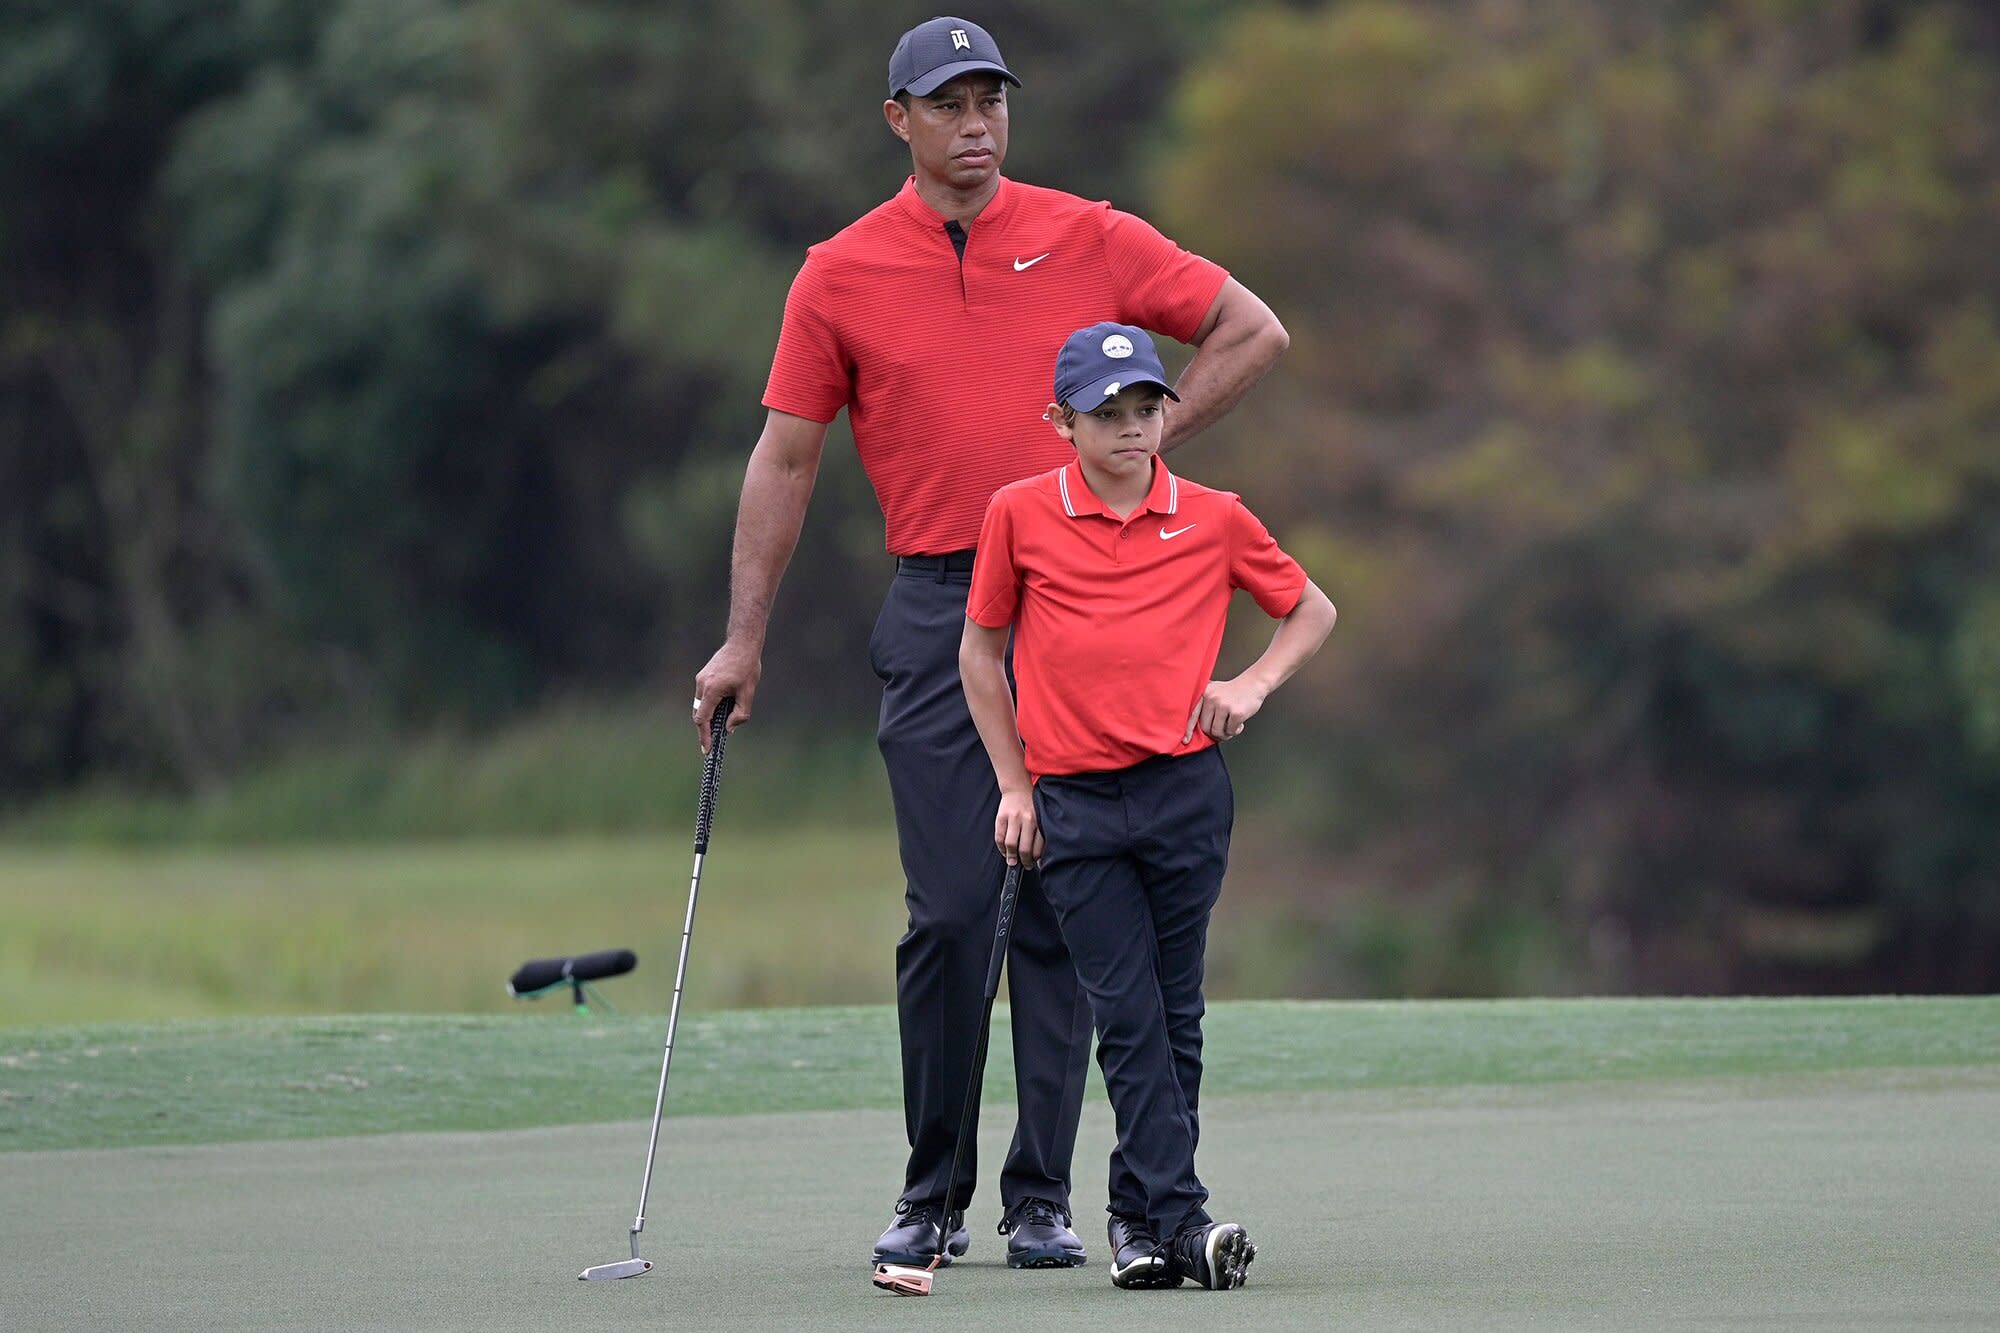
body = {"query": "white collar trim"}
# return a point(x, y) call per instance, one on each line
point(1173, 492)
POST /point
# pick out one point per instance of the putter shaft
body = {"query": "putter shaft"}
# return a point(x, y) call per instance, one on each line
point(710, 779)
point(673, 1017)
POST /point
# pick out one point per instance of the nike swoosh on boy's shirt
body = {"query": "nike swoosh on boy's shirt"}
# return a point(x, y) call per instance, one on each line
point(1166, 536)
point(1020, 264)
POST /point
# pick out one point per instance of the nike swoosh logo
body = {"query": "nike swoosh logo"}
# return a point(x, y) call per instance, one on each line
point(1166, 536)
point(1021, 264)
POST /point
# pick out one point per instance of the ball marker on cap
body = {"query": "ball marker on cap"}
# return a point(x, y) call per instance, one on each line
point(1099, 361)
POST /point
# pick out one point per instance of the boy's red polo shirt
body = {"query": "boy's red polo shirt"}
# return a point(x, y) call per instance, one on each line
point(1117, 622)
point(943, 364)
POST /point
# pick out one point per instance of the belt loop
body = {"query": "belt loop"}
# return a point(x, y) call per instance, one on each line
point(941, 563)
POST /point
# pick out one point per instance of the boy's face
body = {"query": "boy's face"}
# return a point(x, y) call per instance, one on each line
point(1119, 436)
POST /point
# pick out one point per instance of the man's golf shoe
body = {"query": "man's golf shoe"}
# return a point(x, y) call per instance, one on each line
point(911, 1239)
point(1138, 1260)
point(1038, 1236)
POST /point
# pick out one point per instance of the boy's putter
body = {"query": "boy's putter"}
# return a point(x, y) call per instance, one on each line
point(907, 1279)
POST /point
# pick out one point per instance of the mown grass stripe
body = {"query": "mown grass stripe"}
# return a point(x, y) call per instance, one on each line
point(120, 1084)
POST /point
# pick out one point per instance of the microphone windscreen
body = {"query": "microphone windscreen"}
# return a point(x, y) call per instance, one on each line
point(606, 963)
point(542, 973)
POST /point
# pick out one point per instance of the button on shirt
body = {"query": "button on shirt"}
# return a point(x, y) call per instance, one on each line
point(1117, 622)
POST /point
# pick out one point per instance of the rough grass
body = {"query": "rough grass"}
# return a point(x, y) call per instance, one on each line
point(123, 1084)
point(387, 874)
point(802, 917)
point(788, 916)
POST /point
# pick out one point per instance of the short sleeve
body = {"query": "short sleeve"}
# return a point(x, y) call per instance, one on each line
point(1259, 566)
point(1160, 286)
point(996, 581)
point(809, 374)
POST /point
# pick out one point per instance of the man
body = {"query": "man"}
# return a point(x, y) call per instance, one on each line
point(965, 284)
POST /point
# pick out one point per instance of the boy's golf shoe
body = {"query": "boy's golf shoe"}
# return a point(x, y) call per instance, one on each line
point(1217, 1256)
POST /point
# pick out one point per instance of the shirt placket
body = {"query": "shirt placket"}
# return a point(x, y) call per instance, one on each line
point(960, 239)
point(1128, 527)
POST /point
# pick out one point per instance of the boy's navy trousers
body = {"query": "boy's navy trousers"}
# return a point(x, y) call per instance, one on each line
point(1134, 865)
point(946, 798)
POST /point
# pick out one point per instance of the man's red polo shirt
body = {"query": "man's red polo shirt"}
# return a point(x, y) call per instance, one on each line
point(1117, 622)
point(944, 366)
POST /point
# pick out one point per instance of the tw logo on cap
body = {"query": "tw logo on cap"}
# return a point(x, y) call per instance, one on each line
point(941, 49)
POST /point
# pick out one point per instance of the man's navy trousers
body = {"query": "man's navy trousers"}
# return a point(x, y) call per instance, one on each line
point(1134, 864)
point(946, 798)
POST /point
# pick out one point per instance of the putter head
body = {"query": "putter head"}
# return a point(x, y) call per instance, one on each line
point(903, 1280)
point(623, 1268)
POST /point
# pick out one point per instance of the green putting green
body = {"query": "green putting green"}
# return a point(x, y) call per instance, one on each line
point(1609, 1164)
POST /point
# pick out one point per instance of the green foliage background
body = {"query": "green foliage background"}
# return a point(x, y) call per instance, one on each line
point(1655, 360)
point(384, 369)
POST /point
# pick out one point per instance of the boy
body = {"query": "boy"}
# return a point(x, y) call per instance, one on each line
point(1115, 578)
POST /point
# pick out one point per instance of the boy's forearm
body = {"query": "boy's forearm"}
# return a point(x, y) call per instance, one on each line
point(1298, 636)
point(984, 675)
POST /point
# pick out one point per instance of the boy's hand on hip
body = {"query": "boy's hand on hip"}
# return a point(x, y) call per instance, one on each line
point(1016, 832)
point(1224, 707)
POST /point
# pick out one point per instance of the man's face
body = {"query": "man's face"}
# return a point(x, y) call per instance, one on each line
point(958, 134)
point(1119, 437)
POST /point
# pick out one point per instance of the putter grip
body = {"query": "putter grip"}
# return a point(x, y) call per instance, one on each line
point(1010, 891)
point(711, 772)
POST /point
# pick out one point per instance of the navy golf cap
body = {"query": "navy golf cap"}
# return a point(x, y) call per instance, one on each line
point(936, 52)
point(1095, 363)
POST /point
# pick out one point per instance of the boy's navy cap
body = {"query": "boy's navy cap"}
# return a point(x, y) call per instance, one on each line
point(1095, 363)
point(935, 53)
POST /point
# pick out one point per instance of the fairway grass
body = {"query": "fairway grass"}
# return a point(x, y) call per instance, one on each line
point(1519, 1164)
point(114, 1085)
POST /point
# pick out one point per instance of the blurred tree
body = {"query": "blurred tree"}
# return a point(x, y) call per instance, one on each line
point(118, 593)
point(393, 360)
point(1641, 417)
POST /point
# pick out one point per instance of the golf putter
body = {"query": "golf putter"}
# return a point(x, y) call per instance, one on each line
point(908, 1279)
point(711, 774)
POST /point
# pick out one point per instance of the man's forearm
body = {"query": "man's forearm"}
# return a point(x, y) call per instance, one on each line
point(1242, 347)
point(769, 519)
